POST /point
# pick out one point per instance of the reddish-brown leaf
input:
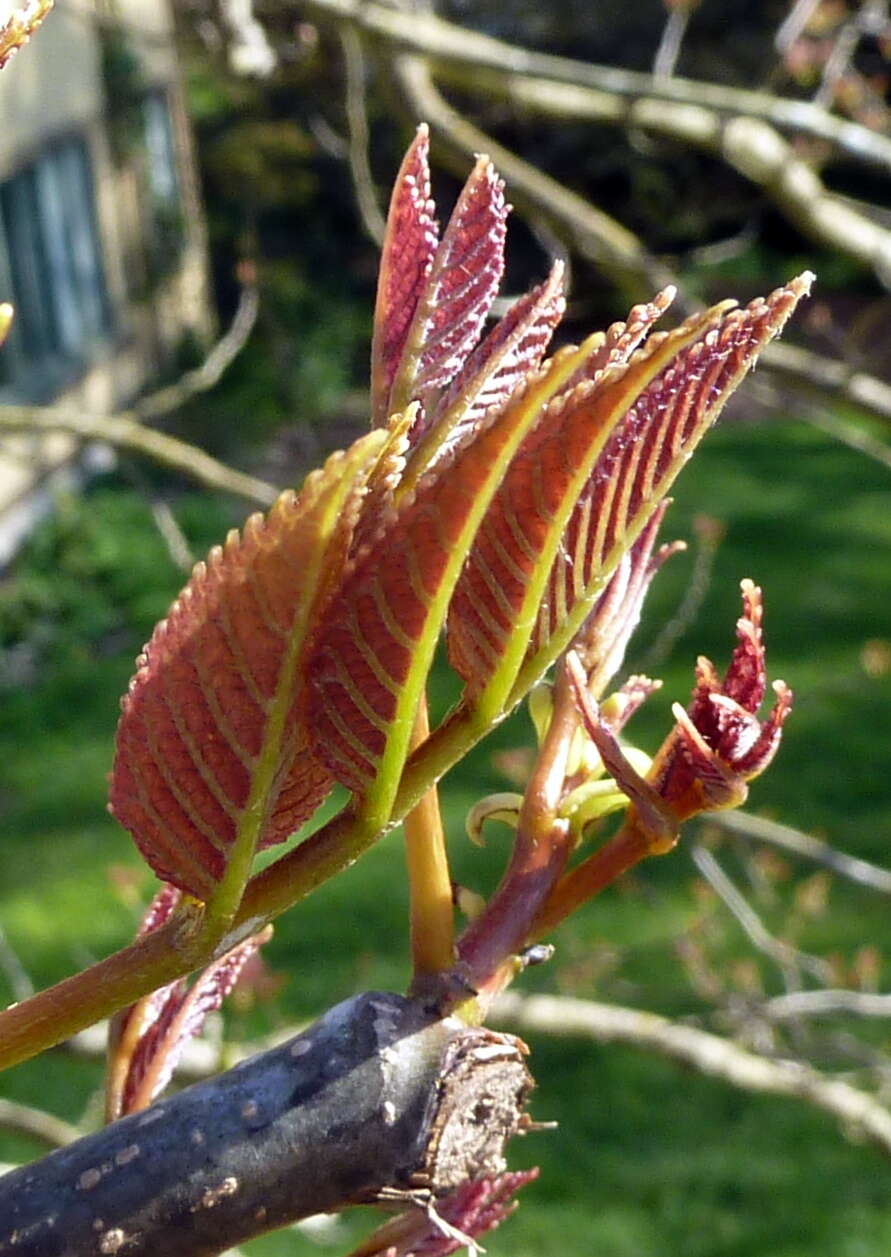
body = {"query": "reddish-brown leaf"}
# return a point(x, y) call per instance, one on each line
point(590, 476)
point(148, 1039)
point(212, 746)
point(409, 245)
point(496, 369)
point(462, 283)
point(620, 341)
point(381, 630)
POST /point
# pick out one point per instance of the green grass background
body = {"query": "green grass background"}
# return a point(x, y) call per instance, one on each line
point(648, 1160)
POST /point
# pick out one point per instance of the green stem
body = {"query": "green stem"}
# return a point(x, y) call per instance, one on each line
point(429, 880)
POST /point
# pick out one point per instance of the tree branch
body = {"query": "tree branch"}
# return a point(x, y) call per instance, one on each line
point(789, 959)
point(445, 43)
point(25, 1120)
point(357, 121)
point(759, 829)
point(126, 432)
point(818, 375)
point(826, 1003)
point(859, 1113)
point(377, 1095)
point(750, 145)
point(221, 356)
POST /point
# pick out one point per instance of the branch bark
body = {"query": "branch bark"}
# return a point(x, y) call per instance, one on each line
point(378, 1094)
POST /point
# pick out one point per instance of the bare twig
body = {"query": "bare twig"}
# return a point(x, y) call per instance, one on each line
point(825, 1003)
point(759, 829)
point(666, 58)
point(24, 1120)
point(169, 398)
point(819, 375)
point(789, 959)
point(870, 19)
point(794, 24)
point(172, 535)
point(250, 51)
point(357, 120)
point(127, 432)
point(859, 1113)
point(164, 519)
point(850, 434)
point(13, 970)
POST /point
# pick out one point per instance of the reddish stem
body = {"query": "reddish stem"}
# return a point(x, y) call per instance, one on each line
point(539, 856)
point(626, 848)
point(57, 1013)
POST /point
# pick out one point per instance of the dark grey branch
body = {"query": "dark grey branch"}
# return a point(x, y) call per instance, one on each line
point(378, 1094)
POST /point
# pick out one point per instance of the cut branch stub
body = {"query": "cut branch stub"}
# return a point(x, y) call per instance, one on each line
point(213, 758)
point(377, 1098)
point(583, 485)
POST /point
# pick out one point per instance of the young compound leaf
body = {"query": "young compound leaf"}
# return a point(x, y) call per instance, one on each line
point(495, 370)
point(213, 758)
point(582, 487)
point(381, 630)
point(409, 245)
point(147, 1040)
point(463, 280)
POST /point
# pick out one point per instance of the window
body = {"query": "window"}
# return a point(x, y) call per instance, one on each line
point(164, 226)
point(53, 267)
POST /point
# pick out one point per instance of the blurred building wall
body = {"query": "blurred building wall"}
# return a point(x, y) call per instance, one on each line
point(102, 247)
